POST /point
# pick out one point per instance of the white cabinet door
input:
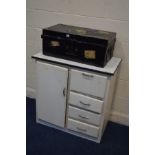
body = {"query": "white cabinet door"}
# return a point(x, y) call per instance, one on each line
point(51, 98)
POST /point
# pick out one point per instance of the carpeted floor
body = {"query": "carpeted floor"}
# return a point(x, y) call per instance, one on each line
point(42, 140)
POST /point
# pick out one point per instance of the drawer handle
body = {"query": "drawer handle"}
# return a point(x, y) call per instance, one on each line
point(64, 91)
point(87, 75)
point(87, 104)
point(83, 117)
point(83, 130)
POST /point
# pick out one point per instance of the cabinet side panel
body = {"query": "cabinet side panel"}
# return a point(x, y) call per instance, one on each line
point(108, 100)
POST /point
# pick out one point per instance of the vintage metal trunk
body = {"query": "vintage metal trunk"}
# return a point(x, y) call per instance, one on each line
point(94, 47)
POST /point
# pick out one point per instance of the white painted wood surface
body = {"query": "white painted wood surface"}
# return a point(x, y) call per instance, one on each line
point(84, 116)
point(88, 83)
point(51, 102)
point(85, 102)
point(107, 103)
point(66, 111)
point(110, 67)
point(83, 128)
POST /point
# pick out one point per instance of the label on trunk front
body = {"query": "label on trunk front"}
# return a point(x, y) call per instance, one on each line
point(55, 43)
point(90, 54)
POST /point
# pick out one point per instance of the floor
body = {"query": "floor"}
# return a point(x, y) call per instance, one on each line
point(42, 140)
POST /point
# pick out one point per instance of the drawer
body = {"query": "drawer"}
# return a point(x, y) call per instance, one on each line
point(85, 102)
point(84, 116)
point(88, 83)
point(83, 128)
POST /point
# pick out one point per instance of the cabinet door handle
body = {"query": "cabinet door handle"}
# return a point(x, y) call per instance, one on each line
point(87, 104)
point(64, 91)
point(83, 130)
point(83, 117)
point(87, 75)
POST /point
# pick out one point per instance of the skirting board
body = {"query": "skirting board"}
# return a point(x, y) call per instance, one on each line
point(119, 118)
point(116, 117)
point(30, 92)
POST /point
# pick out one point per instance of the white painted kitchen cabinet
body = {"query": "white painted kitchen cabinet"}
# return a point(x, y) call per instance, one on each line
point(74, 97)
point(51, 97)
